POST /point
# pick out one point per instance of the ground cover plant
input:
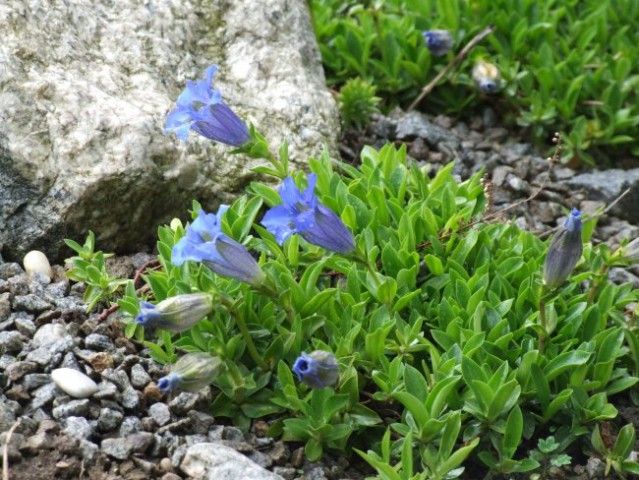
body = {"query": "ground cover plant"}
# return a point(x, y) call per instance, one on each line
point(568, 66)
point(380, 311)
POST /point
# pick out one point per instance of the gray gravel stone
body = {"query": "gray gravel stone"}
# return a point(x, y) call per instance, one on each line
point(10, 269)
point(415, 124)
point(25, 324)
point(11, 342)
point(160, 413)
point(130, 398)
point(130, 425)
point(141, 441)
point(7, 416)
point(607, 186)
point(109, 419)
point(16, 370)
point(89, 450)
point(185, 402)
point(30, 303)
point(106, 390)
point(233, 434)
point(210, 460)
point(100, 343)
point(77, 427)
point(118, 377)
point(5, 306)
point(200, 422)
point(74, 408)
point(139, 377)
point(49, 334)
point(118, 448)
point(43, 395)
point(287, 473)
point(35, 380)
point(178, 455)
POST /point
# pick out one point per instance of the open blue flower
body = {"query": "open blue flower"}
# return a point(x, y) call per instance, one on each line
point(564, 251)
point(317, 369)
point(439, 42)
point(302, 213)
point(205, 241)
point(200, 108)
point(191, 372)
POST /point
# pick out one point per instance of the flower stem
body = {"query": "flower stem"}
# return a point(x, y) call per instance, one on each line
point(246, 334)
point(543, 322)
point(596, 283)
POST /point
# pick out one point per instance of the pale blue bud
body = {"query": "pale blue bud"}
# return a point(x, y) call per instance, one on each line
point(564, 251)
point(316, 369)
point(191, 372)
point(175, 314)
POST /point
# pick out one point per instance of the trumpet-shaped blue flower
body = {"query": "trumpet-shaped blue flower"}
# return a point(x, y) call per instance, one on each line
point(191, 372)
point(200, 108)
point(486, 77)
point(317, 369)
point(439, 42)
point(175, 314)
point(302, 213)
point(564, 251)
point(205, 241)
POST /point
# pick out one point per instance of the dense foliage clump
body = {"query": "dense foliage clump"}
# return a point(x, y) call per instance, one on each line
point(569, 66)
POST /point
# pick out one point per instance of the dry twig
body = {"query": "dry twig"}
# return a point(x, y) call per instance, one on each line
point(5, 451)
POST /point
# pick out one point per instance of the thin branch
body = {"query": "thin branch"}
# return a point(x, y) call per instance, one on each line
point(596, 215)
point(458, 58)
point(5, 451)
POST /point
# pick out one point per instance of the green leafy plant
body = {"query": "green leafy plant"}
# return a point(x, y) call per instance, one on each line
point(568, 66)
point(357, 102)
point(433, 315)
point(617, 456)
point(89, 266)
point(549, 457)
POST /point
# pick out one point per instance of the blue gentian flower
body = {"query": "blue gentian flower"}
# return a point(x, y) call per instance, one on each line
point(205, 241)
point(439, 42)
point(175, 314)
point(200, 107)
point(302, 213)
point(317, 369)
point(486, 77)
point(564, 251)
point(191, 372)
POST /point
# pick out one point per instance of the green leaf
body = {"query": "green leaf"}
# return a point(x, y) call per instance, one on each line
point(513, 432)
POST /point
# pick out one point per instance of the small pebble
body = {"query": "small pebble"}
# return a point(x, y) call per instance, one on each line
point(74, 383)
point(36, 261)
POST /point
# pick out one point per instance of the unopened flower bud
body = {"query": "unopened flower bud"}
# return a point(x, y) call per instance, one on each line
point(486, 77)
point(630, 252)
point(564, 251)
point(191, 372)
point(439, 42)
point(317, 369)
point(175, 224)
point(175, 314)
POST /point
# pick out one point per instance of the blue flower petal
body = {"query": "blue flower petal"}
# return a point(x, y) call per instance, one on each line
point(280, 222)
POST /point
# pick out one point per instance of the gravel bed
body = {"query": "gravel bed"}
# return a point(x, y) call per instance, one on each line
point(127, 429)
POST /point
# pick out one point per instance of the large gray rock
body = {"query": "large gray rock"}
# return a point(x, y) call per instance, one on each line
point(215, 461)
point(607, 186)
point(84, 90)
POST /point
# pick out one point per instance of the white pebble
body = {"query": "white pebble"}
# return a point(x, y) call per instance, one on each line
point(74, 383)
point(36, 261)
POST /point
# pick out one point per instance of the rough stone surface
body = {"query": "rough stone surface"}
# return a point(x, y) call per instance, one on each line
point(84, 91)
point(208, 461)
point(607, 185)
